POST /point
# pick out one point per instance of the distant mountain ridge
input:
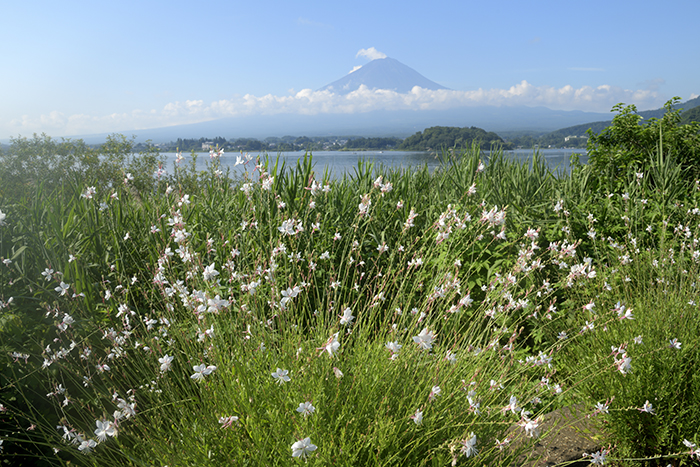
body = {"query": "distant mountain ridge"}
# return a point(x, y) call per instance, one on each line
point(571, 136)
point(690, 108)
point(400, 123)
point(382, 73)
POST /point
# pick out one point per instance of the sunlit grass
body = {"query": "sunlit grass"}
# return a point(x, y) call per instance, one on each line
point(388, 318)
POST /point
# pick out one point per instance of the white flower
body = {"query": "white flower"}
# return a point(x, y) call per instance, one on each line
point(201, 335)
point(104, 428)
point(512, 406)
point(216, 304)
point(89, 193)
point(165, 362)
point(469, 446)
point(200, 371)
point(210, 272)
point(267, 183)
point(281, 375)
point(502, 444)
point(694, 451)
point(288, 295)
point(624, 364)
point(67, 321)
point(347, 317)
point(303, 447)
point(2, 217)
point(647, 407)
point(674, 344)
point(417, 417)
point(226, 422)
point(287, 227)
point(394, 347)
point(531, 427)
point(601, 408)
point(306, 409)
point(331, 346)
point(87, 446)
point(425, 339)
point(598, 458)
point(62, 288)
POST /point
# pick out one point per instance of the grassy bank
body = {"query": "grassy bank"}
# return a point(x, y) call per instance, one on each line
point(391, 317)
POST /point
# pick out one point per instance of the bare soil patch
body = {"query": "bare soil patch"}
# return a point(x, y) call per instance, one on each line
point(572, 435)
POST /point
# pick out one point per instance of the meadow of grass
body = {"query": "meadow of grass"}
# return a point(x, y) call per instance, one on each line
point(388, 317)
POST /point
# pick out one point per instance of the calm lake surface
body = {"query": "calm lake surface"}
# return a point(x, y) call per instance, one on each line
point(341, 162)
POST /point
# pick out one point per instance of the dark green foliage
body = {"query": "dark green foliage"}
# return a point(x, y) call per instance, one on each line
point(629, 144)
point(438, 138)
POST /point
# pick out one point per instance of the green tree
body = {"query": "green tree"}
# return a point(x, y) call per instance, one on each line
point(631, 144)
point(41, 159)
point(442, 137)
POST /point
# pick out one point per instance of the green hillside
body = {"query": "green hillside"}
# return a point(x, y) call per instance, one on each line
point(576, 136)
point(692, 115)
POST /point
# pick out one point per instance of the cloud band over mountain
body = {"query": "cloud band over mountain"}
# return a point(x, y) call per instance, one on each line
point(309, 102)
point(371, 53)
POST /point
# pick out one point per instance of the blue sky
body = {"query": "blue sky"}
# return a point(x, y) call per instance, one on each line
point(81, 67)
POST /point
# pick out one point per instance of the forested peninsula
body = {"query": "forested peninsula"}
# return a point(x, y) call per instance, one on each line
point(431, 139)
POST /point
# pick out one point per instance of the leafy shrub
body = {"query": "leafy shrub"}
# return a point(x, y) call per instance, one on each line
point(629, 144)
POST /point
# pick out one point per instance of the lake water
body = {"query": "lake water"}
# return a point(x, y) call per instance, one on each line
point(340, 162)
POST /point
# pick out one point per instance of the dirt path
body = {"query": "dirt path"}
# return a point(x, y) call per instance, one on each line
point(572, 435)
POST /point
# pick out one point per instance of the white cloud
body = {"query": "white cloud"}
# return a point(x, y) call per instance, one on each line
point(354, 69)
point(693, 96)
point(370, 53)
point(309, 102)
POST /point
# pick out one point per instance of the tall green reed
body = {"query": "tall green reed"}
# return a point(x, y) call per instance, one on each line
point(254, 278)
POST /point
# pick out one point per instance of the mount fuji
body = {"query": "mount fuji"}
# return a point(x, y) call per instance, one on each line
point(382, 73)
